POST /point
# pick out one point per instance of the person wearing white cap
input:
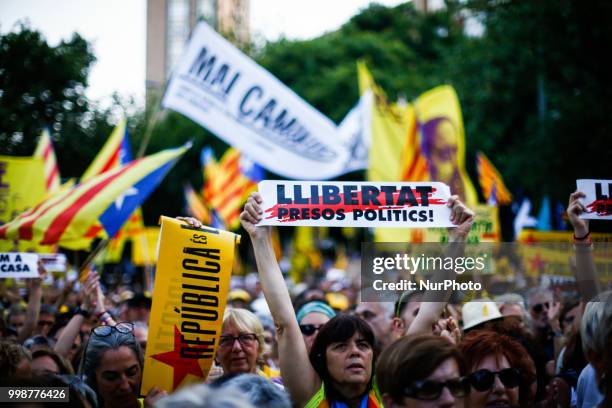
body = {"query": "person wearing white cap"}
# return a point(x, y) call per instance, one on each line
point(478, 312)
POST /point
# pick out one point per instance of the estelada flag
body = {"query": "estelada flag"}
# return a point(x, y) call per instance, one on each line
point(70, 214)
point(228, 184)
point(45, 150)
point(440, 122)
point(491, 181)
point(194, 268)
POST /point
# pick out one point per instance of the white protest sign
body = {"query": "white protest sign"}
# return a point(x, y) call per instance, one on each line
point(54, 262)
point(18, 265)
point(598, 200)
point(225, 91)
point(355, 204)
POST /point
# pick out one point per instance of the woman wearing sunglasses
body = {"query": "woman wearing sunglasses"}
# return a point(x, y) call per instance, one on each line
point(423, 371)
point(112, 366)
point(501, 372)
point(311, 317)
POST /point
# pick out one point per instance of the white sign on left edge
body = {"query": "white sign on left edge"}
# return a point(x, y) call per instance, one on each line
point(18, 265)
point(225, 91)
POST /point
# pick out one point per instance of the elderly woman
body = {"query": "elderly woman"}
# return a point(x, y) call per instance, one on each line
point(338, 369)
point(241, 342)
point(501, 372)
point(422, 371)
point(112, 365)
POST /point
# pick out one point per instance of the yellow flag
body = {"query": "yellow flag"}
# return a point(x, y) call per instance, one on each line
point(194, 268)
point(443, 140)
point(144, 247)
point(390, 126)
point(22, 186)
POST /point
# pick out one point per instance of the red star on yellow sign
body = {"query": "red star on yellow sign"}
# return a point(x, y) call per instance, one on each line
point(182, 366)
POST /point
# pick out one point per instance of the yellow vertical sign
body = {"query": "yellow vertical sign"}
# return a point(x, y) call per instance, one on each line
point(194, 267)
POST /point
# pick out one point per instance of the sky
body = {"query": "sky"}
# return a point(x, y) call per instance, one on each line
point(117, 30)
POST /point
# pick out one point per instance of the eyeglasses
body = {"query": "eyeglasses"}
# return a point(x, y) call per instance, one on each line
point(431, 390)
point(245, 339)
point(122, 327)
point(309, 329)
point(538, 307)
point(482, 380)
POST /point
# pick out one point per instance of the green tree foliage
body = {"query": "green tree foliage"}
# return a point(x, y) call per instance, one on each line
point(44, 86)
point(534, 87)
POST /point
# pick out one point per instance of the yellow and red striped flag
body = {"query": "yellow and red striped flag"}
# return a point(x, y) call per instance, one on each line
point(414, 166)
point(45, 150)
point(491, 182)
point(195, 206)
point(73, 213)
point(228, 183)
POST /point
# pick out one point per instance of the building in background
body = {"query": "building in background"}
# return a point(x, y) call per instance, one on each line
point(169, 23)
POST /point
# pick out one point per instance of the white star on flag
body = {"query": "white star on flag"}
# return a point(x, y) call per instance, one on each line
point(129, 192)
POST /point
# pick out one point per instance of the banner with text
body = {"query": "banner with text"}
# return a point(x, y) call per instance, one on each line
point(18, 265)
point(194, 267)
point(225, 91)
point(598, 200)
point(355, 204)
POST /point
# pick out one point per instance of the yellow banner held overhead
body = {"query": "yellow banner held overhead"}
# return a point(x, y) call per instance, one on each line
point(443, 140)
point(194, 267)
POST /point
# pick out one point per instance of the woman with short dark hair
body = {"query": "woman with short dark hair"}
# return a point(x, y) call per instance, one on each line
point(422, 371)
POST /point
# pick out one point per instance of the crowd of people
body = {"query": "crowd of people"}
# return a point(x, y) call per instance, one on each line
point(318, 348)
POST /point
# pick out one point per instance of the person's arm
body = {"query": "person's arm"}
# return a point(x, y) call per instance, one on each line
point(70, 333)
point(298, 374)
point(586, 275)
point(434, 301)
point(33, 310)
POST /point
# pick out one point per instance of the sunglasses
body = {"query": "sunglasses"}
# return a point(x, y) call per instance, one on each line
point(540, 306)
point(309, 329)
point(568, 320)
point(482, 380)
point(431, 390)
point(122, 327)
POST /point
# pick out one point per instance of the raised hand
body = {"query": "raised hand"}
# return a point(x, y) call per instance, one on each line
point(462, 217)
point(574, 209)
point(251, 215)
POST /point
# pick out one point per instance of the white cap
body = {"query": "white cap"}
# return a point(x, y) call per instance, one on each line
point(479, 311)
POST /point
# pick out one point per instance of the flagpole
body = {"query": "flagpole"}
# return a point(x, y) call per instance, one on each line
point(92, 255)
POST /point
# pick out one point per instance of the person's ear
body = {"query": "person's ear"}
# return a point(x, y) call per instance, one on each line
point(398, 328)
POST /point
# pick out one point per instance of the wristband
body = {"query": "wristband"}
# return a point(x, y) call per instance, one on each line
point(588, 234)
point(98, 315)
point(86, 314)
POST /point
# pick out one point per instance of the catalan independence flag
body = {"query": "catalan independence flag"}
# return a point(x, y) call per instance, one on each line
point(228, 183)
point(115, 152)
point(45, 150)
point(104, 201)
point(491, 182)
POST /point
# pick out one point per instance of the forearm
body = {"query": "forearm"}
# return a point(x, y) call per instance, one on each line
point(32, 313)
point(71, 331)
point(273, 284)
point(586, 274)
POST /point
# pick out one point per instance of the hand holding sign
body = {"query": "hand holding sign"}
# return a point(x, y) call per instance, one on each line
point(252, 215)
point(574, 210)
point(462, 217)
